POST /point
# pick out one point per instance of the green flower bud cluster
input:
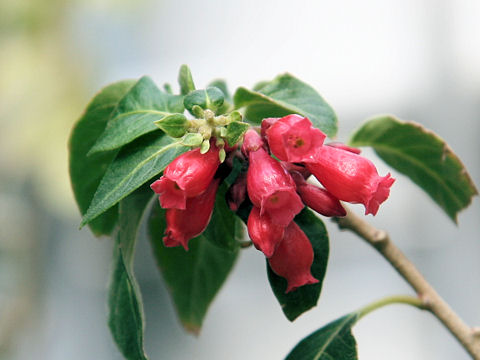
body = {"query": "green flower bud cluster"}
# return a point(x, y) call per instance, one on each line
point(207, 107)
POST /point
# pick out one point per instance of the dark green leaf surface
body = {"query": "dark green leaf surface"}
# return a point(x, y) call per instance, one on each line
point(332, 342)
point(304, 298)
point(134, 165)
point(86, 172)
point(193, 277)
point(421, 155)
point(286, 95)
point(185, 80)
point(225, 229)
point(134, 116)
point(125, 304)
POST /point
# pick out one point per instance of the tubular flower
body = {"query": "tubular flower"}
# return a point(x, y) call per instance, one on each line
point(294, 139)
point(187, 176)
point(271, 188)
point(350, 177)
point(264, 233)
point(293, 258)
point(183, 225)
point(318, 199)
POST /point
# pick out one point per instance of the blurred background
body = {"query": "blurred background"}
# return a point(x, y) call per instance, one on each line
point(417, 59)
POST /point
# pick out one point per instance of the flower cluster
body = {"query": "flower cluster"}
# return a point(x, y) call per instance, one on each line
point(277, 189)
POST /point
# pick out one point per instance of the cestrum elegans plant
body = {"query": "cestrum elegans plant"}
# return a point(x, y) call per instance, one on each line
point(200, 167)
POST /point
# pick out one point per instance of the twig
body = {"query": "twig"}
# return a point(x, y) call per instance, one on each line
point(432, 302)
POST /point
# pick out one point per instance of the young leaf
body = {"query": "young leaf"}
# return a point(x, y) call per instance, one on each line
point(333, 341)
point(193, 277)
point(225, 228)
point(235, 131)
point(124, 299)
point(286, 95)
point(134, 165)
point(421, 155)
point(295, 303)
point(86, 172)
point(174, 125)
point(210, 98)
point(136, 113)
point(185, 80)
point(222, 85)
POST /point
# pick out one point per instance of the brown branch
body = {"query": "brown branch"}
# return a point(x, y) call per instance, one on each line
point(379, 239)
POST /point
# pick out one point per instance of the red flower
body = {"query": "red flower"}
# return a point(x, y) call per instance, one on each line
point(183, 225)
point(252, 142)
point(293, 258)
point(351, 177)
point(271, 188)
point(294, 139)
point(317, 198)
point(264, 233)
point(187, 176)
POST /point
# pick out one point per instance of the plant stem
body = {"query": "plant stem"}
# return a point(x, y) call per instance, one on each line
point(397, 299)
point(431, 301)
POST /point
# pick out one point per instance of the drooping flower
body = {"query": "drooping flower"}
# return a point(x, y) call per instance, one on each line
point(265, 234)
point(293, 258)
point(186, 176)
point(294, 139)
point(271, 188)
point(183, 225)
point(350, 177)
point(318, 199)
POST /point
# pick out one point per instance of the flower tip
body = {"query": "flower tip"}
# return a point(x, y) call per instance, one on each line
point(380, 195)
point(308, 280)
point(173, 239)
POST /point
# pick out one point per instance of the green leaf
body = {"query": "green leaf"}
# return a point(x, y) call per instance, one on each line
point(210, 98)
point(193, 277)
point(222, 85)
point(185, 80)
point(332, 342)
point(124, 299)
point(192, 139)
point(225, 228)
point(421, 155)
point(174, 125)
point(136, 113)
point(235, 132)
point(304, 298)
point(86, 172)
point(135, 164)
point(286, 95)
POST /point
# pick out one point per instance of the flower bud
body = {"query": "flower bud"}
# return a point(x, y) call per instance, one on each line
point(183, 225)
point(351, 177)
point(264, 233)
point(187, 176)
point(252, 142)
point(318, 199)
point(293, 258)
point(271, 188)
point(294, 139)
point(266, 123)
point(236, 193)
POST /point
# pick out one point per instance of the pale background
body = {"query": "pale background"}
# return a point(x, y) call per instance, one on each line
point(417, 59)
